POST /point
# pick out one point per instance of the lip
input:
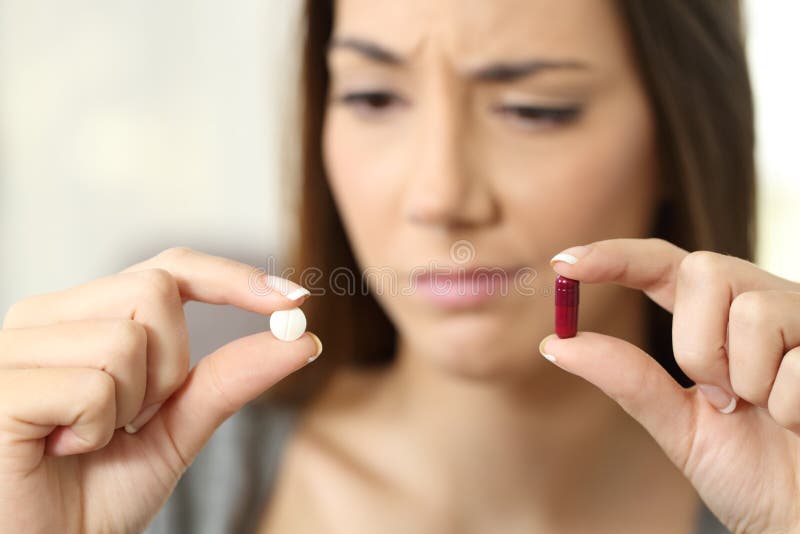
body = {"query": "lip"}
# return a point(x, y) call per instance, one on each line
point(459, 287)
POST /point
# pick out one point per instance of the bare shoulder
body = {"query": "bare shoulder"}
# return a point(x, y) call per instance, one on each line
point(324, 468)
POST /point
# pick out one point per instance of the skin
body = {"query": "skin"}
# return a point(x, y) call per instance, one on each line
point(442, 165)
point(78, 366)
point(436, 163)
point(468, 431)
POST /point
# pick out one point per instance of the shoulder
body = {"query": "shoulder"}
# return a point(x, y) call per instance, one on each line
point(326, 465)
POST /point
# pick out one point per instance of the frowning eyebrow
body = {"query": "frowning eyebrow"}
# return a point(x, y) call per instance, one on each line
point(494, 72)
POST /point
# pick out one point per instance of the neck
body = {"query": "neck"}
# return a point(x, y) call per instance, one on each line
point(537, 439)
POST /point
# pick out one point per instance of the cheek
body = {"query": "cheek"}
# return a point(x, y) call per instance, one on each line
point(595, 182)
point(363, 173)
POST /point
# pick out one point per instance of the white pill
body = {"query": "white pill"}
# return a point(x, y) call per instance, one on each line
point(287, 325)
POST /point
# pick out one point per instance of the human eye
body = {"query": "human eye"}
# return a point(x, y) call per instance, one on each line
point(371, 103)
point(533, 116)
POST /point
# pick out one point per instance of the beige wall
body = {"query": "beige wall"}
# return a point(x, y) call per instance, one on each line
point(132, 125)
point(773, 40)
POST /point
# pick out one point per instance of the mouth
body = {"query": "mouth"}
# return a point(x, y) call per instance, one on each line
point(459, 287)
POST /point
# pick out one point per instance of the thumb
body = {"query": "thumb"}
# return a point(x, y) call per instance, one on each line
point(634, 380)
point(224, 381)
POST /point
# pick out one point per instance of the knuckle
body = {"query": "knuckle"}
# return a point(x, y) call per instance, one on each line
point(128, 339)
point(104, 434)
point(99, 404)
point(751, 308)
point(171, 378)
point(99, 389)
point(159, 284)
point(175, 253)
point(659, 242)
point(13, 314)
point(171, 375)
point(782, 407)
point(102, 406)
point(757, 394)
point(688, 358)
point(700, 265)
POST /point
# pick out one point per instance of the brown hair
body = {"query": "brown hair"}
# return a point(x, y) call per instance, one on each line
point(690, 55)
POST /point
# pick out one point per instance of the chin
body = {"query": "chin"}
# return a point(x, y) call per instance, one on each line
point(475, 348)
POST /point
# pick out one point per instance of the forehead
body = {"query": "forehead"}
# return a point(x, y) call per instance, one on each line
point(474, 31)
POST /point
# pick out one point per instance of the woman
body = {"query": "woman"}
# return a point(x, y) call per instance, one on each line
point(440, 139)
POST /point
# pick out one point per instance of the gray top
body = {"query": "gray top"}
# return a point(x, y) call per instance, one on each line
point(226, 487)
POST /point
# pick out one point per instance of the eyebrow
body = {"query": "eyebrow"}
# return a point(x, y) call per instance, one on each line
point(494, 72)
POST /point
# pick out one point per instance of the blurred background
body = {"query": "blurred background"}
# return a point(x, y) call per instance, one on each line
point(130, 126)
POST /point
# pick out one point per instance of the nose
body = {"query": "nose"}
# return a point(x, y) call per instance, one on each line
point(445, 188)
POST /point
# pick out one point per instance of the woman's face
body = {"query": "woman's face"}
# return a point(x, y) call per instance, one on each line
point(463, 134)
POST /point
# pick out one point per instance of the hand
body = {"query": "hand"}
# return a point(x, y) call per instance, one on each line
point(78, 365)
point(736, 334)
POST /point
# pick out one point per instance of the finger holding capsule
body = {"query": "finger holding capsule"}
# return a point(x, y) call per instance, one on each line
point(645, 264)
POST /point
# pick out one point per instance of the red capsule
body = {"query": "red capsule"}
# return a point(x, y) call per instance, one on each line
point(567, 293)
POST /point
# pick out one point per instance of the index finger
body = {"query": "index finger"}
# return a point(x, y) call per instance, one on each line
point(217, 280)
point(649, 264)
point(653, 265)
point(192, 276)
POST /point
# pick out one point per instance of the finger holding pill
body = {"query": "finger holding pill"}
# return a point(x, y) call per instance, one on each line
point(79, 364)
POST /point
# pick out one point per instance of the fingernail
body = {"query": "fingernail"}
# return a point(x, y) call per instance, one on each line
point(318, 343)
point(718, 397)
point(543, 351)
point(570, 255)
point(285, 287)
point(298, 293)
point(140, 420)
